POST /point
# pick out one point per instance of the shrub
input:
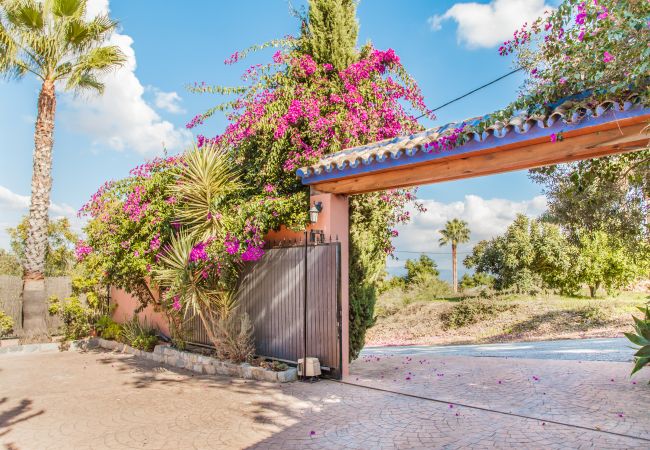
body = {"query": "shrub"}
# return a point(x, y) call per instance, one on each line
point(235, 333)
point(641, 337)
point(591, 315)
point(6, 324)
point(107, 328)
point(75, 316)
point(145, 342)
point(470, 311)
point(139, 335)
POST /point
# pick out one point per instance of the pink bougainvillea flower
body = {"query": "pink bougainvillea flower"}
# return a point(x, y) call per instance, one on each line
point(176, 303)
point(198, 252)
point(554, 137)
point(82, 250)
point(608, 57)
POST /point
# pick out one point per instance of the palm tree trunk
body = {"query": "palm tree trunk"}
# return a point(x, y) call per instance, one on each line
point(454, 269)
point(34, 296)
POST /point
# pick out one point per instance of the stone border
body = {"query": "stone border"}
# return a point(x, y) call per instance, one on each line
point(194, 362)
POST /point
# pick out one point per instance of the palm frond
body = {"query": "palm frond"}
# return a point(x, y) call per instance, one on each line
point(54, 40)
point(67, 8)
point(180, 278)
point(207, 179)
point(25, 15)
point(98, 60)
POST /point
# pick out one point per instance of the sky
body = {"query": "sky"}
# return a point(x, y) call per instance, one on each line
point(448, 47)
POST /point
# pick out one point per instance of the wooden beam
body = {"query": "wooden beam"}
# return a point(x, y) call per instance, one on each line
point(622, 137)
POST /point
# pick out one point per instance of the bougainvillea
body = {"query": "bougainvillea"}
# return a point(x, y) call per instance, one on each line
point(292, 111)
point(584, 45)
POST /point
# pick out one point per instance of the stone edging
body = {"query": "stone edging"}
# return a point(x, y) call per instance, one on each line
point(169, 356)
point(202, 364)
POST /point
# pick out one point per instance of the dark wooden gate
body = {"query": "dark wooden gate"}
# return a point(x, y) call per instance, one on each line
point(272, 293)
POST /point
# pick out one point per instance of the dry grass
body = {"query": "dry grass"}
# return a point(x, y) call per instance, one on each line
point(503, 319)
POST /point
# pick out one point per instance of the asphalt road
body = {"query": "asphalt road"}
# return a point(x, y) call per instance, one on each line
point(605, 349)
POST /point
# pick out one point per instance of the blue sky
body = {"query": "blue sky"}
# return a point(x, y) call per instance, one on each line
point(449, 47)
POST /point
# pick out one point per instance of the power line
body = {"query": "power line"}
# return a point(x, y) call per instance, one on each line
point(472, 91)
point(430, 253)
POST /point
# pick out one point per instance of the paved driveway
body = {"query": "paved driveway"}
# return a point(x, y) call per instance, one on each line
point(105, 400)
point(602, 349)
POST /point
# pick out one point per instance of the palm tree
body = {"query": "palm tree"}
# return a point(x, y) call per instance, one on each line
point(54, 41)
point(455, 232)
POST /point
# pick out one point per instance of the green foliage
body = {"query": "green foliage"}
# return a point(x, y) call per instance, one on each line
point(608, 194)
point(455, 232)
point(6, 324)
point(332, 32)
point(59, 253)
point(477, 280)
point(107, 328)
point(139, 334)
point(470, 311)
point(641, 337)
point(420, 269)
point(55, 41)
point(76, 317)
point(529, 256)
point(581, 45)
point(203, 187)
point(604, 261)
point(368, 243)
point(9, 264)
point(145, 342)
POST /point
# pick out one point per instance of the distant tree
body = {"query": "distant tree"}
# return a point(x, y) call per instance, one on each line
point(455, 232)
point(420, 269)
point(332, 32)
point(54, 41)
point(609, 194)
point(59, 252)
point(528, 256)
point(477, 280)
point(603, 261)
point(9, 264)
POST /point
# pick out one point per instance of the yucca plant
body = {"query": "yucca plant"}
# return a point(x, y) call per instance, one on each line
point(641, 337)
point(205, 183)
point(186, 286)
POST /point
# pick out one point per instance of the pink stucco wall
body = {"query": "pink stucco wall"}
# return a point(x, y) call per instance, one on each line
point(333, 221)
point(126, 304)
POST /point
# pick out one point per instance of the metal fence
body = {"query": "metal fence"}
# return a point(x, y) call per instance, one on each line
point(272, 293)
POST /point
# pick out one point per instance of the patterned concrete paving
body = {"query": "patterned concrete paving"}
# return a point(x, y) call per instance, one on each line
point(104, 400)
point(595, 395)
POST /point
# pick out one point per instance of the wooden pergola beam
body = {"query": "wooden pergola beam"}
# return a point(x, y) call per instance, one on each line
point(619, 136)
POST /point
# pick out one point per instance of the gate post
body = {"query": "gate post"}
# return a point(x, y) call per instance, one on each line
point(334, 220)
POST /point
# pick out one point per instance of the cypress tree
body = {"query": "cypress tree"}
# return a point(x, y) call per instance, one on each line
point(331, 32)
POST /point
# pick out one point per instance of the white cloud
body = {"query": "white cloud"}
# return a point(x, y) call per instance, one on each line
point(121, 119)
point(9, 200)
point(167, 101)
point(14, 206)
point(486, 218)
point(487, 25)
